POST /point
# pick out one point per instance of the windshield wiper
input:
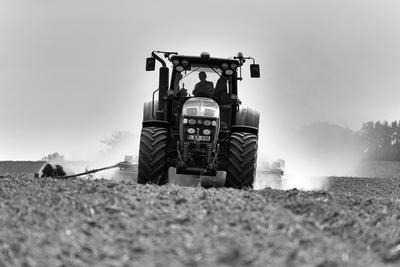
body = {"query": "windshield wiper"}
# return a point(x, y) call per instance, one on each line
point(214, 70)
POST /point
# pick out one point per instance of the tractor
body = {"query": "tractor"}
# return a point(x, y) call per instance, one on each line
point(196, 128)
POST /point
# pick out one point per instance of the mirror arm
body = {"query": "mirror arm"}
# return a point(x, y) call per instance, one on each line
point(166, 55)
point(153, 54)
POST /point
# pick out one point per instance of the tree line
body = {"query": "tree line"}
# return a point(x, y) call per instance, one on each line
point(381, 140)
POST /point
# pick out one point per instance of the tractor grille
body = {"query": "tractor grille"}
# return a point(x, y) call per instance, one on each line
point(199, 129)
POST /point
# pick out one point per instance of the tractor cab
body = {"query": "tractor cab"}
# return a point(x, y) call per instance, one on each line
point(204, 76)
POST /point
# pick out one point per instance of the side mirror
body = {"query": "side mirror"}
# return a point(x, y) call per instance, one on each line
point(254, 71)
point(150, 64)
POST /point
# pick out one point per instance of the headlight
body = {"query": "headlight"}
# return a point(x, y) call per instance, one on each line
point(214, 123)
point(224, 66)
point(229, 72)
point(175, 62)
point(206, 132)
point(207, 123)
point(191, 131)
point(234, 66)
point(185, 121)
point(185, 62)
point(192, 121)
point(179, 68)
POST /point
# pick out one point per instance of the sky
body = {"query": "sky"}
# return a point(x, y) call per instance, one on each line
point(72, 72)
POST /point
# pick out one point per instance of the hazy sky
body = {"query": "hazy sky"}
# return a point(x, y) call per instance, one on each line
point(72, 72)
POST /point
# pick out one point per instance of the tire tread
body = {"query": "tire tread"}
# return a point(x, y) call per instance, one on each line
point(152, 155)
point(242, 160)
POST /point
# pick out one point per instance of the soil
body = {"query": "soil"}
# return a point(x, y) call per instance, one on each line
point(48, 222)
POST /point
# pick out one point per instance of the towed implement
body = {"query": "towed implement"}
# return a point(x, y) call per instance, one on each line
point(61, 170)
point(196, 125)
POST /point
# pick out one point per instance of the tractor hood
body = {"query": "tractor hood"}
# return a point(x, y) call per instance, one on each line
point(201, 107)
point(199, 130)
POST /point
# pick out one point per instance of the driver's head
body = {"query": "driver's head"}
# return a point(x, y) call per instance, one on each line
point(202, 76)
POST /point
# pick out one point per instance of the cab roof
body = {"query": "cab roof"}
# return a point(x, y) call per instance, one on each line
point(198, 60)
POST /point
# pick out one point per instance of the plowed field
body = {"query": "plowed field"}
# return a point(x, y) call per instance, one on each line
point(47, 222)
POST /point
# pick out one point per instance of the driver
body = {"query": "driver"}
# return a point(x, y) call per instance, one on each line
point(203, 88)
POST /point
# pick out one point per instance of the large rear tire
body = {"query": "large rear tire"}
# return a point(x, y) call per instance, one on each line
point(152, 156)
point(242, 160)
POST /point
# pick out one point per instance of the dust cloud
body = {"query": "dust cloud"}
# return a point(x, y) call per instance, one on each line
point(119, 147)
point(311, 153)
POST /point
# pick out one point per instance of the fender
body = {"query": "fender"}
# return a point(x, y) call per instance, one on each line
point(244, 128)
point(155, 123)
point(148, 110)
point(248, 117)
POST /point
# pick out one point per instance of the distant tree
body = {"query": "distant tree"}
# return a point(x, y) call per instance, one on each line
point(53, 157)
point(381, 140)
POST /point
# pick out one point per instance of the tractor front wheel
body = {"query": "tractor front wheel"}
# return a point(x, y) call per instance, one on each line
point(152, 156)
point(242, 160)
